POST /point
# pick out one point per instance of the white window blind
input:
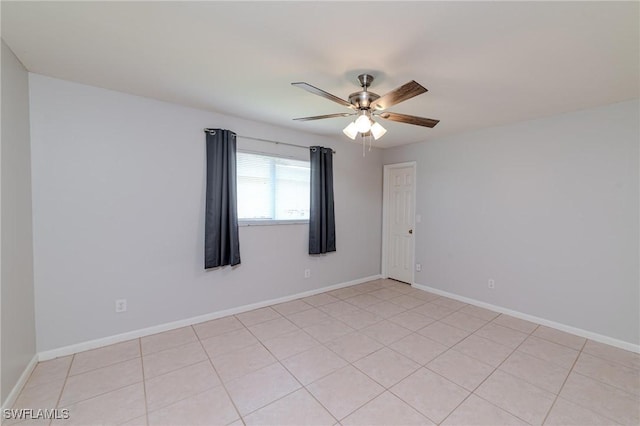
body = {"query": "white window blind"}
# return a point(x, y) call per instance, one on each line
point(272, 188)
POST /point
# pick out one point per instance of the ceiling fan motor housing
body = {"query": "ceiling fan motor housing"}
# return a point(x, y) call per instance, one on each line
point(363, 99)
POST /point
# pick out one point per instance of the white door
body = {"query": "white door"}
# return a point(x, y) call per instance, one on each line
point(400, 216)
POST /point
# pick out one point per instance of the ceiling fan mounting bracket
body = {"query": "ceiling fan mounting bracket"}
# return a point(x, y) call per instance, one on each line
point(365, 80)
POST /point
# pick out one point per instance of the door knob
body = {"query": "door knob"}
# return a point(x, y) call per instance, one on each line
point(411, 231)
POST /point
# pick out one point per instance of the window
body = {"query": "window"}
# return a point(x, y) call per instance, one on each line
point(272, 188)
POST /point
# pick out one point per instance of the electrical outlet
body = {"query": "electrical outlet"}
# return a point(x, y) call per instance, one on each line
point(418, 267)
point(491, 284)
point(307, 273)
point(121, 305)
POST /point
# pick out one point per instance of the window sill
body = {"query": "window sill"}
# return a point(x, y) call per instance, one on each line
point(268, 222)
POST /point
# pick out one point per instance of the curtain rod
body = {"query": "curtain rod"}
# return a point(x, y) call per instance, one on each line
point(270, 141)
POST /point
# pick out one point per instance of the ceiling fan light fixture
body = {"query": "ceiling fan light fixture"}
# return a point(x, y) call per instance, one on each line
point(377, 130)
point(363, 123)
point(351, 131)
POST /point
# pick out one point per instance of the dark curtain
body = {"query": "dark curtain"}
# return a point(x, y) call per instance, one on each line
point(322, 223)
point(221, 245)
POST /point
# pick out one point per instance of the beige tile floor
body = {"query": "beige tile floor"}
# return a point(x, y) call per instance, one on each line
point(378, 353)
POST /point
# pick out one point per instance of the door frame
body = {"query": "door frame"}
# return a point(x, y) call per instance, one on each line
point(385, 217)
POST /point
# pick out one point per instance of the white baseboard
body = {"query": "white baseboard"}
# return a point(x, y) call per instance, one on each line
point(15, 391)
point(562, 327)
point(110, 340)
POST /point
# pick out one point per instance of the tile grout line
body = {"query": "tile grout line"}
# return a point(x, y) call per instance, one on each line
point(170, 347)
point(609, 360)
point(172, 370)
point(452, 347)
point(384, 346)
point(105, 366)
point(351, 364)
point(631, 394)
point(530, 334)
point(183, 398)
point(387, 346)
point(302, 386)
point(309, 392)
point(473, 392)
point(557, 395)
point(177, 369)
point(64, 385)
point(222, 383)
point(104, 393)
point(387, 388)
point(580, 352)
point(565, 381)
point(144, 385)
point(287, 370)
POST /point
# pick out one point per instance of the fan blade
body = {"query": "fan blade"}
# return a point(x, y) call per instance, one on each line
point(320, 117)
point(402, 93)
point(409, 119)
point(312, 89)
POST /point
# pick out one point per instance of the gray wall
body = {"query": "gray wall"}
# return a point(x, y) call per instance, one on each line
point(118, 197)
point(547, 208)
point(18, 323)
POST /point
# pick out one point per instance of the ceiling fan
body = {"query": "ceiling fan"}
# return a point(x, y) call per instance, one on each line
point(368, 105)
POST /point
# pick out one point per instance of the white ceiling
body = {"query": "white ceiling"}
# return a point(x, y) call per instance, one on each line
point(484, 63)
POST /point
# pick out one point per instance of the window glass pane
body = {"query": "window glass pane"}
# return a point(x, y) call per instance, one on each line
point(292, 190)
point(255, 187)
point(272, 187)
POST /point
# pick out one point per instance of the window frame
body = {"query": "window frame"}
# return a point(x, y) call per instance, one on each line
point(271, 222)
